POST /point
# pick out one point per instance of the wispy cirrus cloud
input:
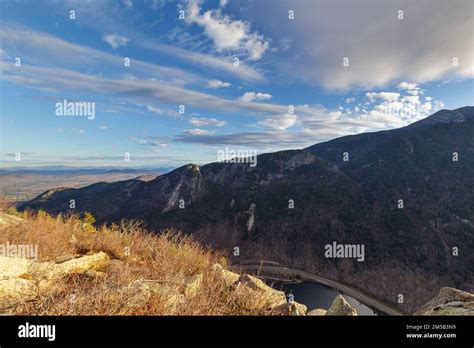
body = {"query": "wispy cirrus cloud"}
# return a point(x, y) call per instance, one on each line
point(218, 64)
point(111, 16)
point(204, 121)
point(198, 131)
point(129, 87)
point(317, 123)
point(43, 47)
point(46, 50)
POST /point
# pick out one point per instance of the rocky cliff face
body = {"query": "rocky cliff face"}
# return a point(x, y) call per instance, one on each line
point(406, 195)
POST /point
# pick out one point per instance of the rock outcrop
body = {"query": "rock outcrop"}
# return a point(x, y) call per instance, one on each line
point(341, 307)
point(260, 290)
point(449, 301)
point(291, 308)
point(317, 312)
point(7, 220)
point(276, 301)
point(145, 289)
point(228, 277)
point(23, 279)
point(192, 285)
point(250, 287)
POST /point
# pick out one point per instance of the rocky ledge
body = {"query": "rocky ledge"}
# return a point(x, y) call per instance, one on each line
point(449, 301)
point(23, 280)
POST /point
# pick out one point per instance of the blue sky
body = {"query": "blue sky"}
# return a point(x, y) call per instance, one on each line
point(308, 71)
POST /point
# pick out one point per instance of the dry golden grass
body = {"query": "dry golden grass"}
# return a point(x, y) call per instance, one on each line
point(169, 257)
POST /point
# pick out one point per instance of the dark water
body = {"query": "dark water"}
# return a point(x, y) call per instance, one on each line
point(315, 295)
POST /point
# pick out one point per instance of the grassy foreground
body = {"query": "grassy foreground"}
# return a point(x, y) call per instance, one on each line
point(136, 255)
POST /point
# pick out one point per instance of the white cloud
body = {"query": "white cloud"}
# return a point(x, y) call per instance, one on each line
point(223, 3)
point(350, 100)
point(389, 96)
point(204, 121)
point(128, 3)
point(411, 88)
point(392, 109)
point(413, 99)
point(115, 40)
point(319, 124)
point(251, 96)
point(280, 123)
point(407, 85)
point(218, 84)
point(226, 33)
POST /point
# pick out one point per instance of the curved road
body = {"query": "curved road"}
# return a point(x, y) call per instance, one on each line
point(274, 269)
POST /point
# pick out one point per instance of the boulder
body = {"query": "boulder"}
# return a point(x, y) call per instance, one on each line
point(248, 298)
point(300, 308)
point(15, 287)
point(192, 286)
point(317, 312)
point(449, 301)
point(341, 307)
point(22, 279)
point(291, 308)
point(228, 277)
point(53, 271)
point(144, 289)
point(14, 267)
point(7, 220)
point(267, 294)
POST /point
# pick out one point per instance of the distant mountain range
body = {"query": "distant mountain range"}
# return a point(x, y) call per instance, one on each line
point(70, 170)
point(406, 195)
